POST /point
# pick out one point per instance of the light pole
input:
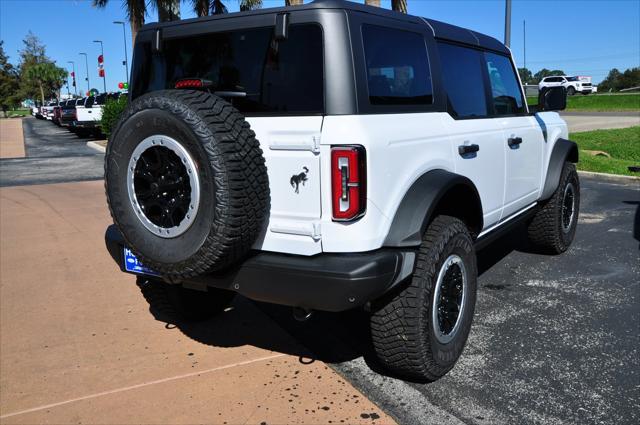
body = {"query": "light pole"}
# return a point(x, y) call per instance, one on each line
point(75, 89)
point(104, 79)
point(507, 23)
point(86, 62)
point(124, 35)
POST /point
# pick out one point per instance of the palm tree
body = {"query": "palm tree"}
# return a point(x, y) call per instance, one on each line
point(399, 5)
point(168, 10)
point(217, 7)
point(136, 9)
point(47, 76)
point(375, 3)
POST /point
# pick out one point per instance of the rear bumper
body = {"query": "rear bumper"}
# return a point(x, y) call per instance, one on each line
point(326, 282)
point(85, 124)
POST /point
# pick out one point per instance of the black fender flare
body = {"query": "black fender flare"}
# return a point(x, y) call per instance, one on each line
point(564, 150)
point(417, 208)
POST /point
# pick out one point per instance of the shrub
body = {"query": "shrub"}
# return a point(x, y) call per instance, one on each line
point(111, 114)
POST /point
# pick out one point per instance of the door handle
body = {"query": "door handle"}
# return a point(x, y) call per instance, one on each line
point(514, 141)
point(466, 149)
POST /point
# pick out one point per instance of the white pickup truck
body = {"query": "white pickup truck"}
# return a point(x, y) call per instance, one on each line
point(89, 115)
point(572, 84)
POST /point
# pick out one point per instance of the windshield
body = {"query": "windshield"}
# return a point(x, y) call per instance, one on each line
point(264, 75)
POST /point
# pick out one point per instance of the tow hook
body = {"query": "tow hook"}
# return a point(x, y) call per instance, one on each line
point(302, 314)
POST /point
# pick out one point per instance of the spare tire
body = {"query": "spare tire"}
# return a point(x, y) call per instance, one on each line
point(186, 182)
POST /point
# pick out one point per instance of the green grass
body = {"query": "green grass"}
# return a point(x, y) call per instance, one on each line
point(16, 113)
point(622, 144)
point(599, 102)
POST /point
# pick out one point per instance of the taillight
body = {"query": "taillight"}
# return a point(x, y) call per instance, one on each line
point(348, 182)
point(192, 83)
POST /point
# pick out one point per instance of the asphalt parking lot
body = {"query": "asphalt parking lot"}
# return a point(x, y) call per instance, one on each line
point(52, 155)
point(555, 338)
point(554, 341)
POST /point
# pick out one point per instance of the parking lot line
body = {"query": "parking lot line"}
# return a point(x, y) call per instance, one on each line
point(144, 384)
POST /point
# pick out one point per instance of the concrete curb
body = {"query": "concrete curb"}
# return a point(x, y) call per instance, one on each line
point(97, 147)
point(610, 177)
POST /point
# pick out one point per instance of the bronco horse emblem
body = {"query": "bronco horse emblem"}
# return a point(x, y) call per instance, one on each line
point(296, 179)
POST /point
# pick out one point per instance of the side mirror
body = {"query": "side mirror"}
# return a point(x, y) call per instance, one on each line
point(552, 99)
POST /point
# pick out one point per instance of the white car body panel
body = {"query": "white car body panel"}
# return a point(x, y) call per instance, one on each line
point(93, 113)
point(508, 180)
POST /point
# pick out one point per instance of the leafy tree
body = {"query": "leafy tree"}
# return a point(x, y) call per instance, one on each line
point(33, 53)
point(48, 77)
point(544, 72)
point(525, 75)
point(8, 82)
point(617, 80)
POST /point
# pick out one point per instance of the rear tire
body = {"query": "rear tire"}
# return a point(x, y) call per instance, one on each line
point(174, 303)
point(571, 91)
point(416, 332)
point(553, 227)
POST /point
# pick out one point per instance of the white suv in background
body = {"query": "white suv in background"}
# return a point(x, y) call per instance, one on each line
point(572, 84)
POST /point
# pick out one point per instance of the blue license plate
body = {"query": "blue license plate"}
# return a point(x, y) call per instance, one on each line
point(133, 265)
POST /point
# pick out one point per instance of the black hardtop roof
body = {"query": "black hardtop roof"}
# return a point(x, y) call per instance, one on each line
point(439, 29)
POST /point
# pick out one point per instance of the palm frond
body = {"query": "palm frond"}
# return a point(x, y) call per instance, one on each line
point(250, 4)
point(201, 7)
point(218, 8)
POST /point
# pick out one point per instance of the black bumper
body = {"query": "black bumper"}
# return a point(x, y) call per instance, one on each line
point(326, 282)
point(85, 124)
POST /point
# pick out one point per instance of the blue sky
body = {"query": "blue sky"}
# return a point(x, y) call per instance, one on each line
point(580, 37)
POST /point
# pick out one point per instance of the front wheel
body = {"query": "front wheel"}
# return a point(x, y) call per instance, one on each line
point(420, 331)
point(571, 91)
point(553, 228)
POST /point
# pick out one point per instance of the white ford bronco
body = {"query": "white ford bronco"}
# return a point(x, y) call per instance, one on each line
point(333, 156)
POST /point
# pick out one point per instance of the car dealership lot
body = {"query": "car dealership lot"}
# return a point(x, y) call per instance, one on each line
point(555, 339)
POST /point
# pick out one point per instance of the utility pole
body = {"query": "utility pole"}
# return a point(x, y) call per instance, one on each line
point(126, 63)
point(507, 23)
point(104, 75)
point(524, 42)
point(86, 62)
point(75, 88)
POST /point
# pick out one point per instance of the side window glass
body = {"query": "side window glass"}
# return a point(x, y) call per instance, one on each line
point(505, 89)
point(397, 67)
point(463, 80)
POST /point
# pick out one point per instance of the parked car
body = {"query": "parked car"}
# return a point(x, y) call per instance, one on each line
point(333, 156)
point(572, 84)
point(55, 113)
point(68, 112)
point(47, 111)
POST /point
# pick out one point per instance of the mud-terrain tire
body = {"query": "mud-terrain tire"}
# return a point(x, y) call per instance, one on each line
point(553, 227)
point(406, 338)
point(174, 303)
point(186, 182)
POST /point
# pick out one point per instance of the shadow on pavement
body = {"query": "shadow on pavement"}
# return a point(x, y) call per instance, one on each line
point(328, 337)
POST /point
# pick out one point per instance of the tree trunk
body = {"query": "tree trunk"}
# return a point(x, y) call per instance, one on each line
point(135, 27)
point(399, 5)
point(41, 92)
point(375, 3)
point(202, 8)
point(293, 2)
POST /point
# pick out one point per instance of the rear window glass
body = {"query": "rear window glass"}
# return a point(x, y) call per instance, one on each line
point(265, 75)
point(100, 99)
point(397, 67)
point(463, 80)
